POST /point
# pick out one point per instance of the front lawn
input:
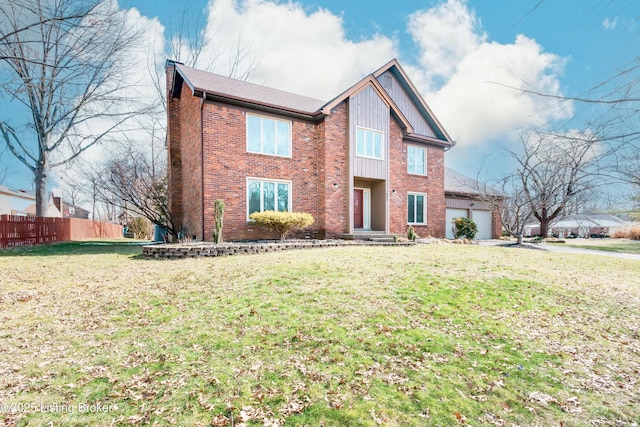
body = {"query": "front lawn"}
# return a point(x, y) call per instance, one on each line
point(358, 336)
point(611, 245)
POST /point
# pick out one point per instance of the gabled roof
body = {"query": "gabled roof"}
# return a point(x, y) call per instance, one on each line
point(215, 86)
point(369, 81)
point(456, 183)
point(588, 220)
point(17, 193)
point(394, 67)
point(442, 137)
point(225, 89)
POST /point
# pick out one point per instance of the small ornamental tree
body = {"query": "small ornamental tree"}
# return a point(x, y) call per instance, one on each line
point(465, 227)
point(283, 223)
point(411, 234)
point(218, 215)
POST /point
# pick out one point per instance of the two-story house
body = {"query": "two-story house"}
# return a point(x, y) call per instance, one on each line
point(369, 160)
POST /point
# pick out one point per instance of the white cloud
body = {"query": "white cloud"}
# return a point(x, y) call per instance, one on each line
point(306, 53)
point(446, 34)
point(610, 24)
point(470, 87)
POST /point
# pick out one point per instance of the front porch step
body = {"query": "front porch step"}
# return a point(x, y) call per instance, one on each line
point(374, 236)
point(381, 239)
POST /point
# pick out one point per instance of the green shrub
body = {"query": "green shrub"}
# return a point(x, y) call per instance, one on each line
point(411, 234)
point(139, 227)
point(218, 215)
point(465, 227)
point(283, 223)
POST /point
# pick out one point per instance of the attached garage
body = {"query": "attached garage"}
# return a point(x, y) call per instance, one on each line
point(483, 221)
point(463, 199)
point(454, 213)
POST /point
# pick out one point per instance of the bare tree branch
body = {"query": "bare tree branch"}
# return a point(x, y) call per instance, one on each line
point(67, 68)
point(127, 180)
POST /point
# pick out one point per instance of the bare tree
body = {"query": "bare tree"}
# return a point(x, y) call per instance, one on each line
point(73, 190)
point(127, 181)
point(70, 75)
point(510, 203)
point(554, 172)
point(30, 9)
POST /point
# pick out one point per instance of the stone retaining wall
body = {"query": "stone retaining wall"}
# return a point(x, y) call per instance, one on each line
point(203, 249)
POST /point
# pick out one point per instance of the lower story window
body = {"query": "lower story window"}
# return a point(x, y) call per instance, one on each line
point(416, 208)
point(268, 195)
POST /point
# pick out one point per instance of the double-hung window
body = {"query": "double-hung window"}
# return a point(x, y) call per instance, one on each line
point(416, 160)
point(268, 136)
point(416, 208)
point(369, 143)
point(268, 195)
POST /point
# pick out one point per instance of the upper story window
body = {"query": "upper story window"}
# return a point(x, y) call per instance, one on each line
point(369, 143)
point(268, 136)
point(416, 160)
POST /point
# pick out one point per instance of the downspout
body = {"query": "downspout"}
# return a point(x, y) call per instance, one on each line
point(204, 98)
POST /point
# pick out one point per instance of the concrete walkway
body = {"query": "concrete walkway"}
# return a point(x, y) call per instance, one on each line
point(560, 247)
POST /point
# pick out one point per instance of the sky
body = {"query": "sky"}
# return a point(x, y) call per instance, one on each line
point(468, 58)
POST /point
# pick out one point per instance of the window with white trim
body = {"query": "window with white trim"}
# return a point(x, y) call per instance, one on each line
point(268, 136)
point(268, 195)
point(416, 160)
point(369, 143)
point(416, 208)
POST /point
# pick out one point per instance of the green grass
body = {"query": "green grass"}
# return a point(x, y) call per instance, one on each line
point(406, 336)
point(611, 245)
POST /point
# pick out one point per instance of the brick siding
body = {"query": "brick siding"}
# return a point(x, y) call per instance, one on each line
point(214, 135)
point(402, 182)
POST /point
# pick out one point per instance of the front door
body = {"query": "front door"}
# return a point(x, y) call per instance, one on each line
point(358, 208)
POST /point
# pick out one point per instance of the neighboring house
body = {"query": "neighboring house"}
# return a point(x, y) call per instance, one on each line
point(68, 210)
point(464, 198)
point(23, 203)
point(580, 225)
point(15, 202)
point(369, 160)
point(52, 210)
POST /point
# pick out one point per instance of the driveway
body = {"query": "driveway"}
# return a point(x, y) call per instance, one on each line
point(559, 247)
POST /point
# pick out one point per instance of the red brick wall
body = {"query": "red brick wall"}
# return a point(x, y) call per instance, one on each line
point(496, 224)
point(403, 182)
point(174, 160)
point(228, 164)
point(191, 162)
point(335, 171)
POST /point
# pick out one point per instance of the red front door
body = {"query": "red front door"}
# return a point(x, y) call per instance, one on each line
point(358, 208)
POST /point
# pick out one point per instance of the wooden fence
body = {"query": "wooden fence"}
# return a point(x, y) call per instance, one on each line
point(26, 231)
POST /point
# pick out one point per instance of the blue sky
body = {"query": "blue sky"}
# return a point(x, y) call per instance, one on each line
point(460, 54)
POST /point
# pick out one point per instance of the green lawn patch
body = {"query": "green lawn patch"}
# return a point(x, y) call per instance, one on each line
point(359, 336)
point(614, 245)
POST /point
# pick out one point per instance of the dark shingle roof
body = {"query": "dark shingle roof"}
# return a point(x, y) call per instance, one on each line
point(458, 183)
point(215, 84)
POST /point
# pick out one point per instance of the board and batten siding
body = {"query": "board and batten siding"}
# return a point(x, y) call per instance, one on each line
point(368, 110)
point(405, 104)
point(466, 204)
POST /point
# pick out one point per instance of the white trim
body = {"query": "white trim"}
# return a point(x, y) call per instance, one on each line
point(262, 117)
point(276, 181)
point(424, 150)
point(366, 208)
point(382, 143)
point(424, 207)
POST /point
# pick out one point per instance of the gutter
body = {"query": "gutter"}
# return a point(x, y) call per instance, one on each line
point(303, 115)
point(203, 99)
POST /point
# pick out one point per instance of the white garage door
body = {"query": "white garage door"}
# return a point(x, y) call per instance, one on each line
point(483, 221)
point(454, 213)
